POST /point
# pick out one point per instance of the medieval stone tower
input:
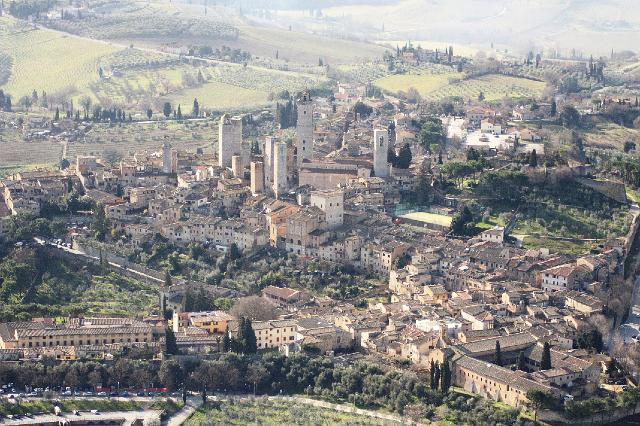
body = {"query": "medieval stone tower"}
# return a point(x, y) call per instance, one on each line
point(167, 160)
point(380, 151)
point(269, 148)
point(229, 139)
point(304, 128)
point(280, 169)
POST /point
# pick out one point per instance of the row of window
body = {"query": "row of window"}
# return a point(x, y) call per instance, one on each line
point(80, 342)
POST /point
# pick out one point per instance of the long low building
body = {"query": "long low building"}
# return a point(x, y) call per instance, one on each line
point(494, 382)
point(76, 332)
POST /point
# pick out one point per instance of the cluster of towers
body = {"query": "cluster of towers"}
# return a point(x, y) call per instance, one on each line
point(274, 173)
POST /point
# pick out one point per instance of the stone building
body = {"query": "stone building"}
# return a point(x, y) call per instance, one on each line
point(304, 129)
point(229, 139)
point(380, 151)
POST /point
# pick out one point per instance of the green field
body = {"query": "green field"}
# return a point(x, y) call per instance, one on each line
point(49, 61)
point(425, 82)
point(272, 413)
point(66, 67)
point(433, 218)
point(439, 85)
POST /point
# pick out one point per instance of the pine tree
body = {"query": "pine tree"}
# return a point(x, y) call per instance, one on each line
point(497, 358)
point(545, 362)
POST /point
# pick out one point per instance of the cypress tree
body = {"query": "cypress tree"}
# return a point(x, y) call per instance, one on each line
point(57, 116)
point(498, 355)
point(522, 366)
point(436, 376)
point(545, 362)
point(171, 346)
point(533, 159)
point(446, 377)
point(431, 374)
point(241, 339)
point(226, 341)
point(251, 344)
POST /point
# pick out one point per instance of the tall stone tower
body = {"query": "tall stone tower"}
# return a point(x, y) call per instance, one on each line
point(380, 151)
point(269, 147)
point(257, 177)
point(229, 139)
point(167, 158)
point(304, 128)
point(280, 169)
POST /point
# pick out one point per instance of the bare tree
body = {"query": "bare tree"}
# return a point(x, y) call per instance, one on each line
point(255, 308)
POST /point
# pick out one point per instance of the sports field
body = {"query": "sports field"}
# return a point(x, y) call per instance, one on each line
point(431, 218)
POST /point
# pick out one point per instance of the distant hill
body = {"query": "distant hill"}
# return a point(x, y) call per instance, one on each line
point(590, 26)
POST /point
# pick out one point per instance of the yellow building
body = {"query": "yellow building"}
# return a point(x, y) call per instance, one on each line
point(271, 334)
point(213, 322)
point(76, 332)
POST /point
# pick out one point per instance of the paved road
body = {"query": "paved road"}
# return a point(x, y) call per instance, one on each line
point(87, 256)
point(193, 403)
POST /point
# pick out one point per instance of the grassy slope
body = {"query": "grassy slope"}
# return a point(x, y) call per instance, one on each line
point(610, 135)
point(222, 95)
point(44, 60)
point(305, 48)
point(277, 413)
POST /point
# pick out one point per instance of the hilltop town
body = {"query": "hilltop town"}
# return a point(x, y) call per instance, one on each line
point(424, 235)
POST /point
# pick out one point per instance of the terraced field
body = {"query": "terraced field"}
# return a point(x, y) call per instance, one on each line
point(439, 85)
point(224, 86)
point(129, 138)
point(66, 67)
point(13, 151)
point(45, 60)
